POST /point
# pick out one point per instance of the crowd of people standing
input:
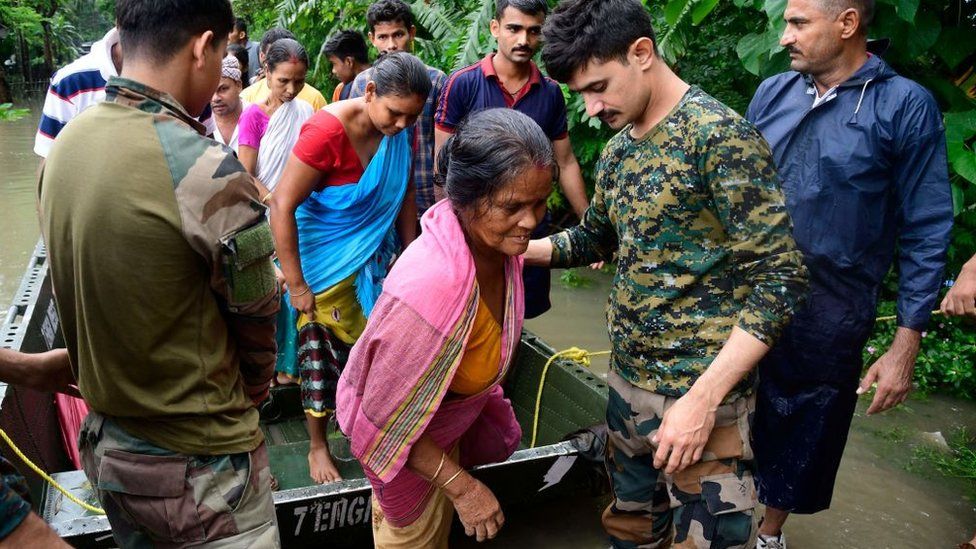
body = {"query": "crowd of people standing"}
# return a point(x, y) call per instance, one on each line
point(214, 227)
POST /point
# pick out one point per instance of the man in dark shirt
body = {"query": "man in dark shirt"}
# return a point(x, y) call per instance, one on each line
point(509, 79)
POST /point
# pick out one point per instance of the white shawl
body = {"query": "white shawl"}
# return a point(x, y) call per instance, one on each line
point(279, 139)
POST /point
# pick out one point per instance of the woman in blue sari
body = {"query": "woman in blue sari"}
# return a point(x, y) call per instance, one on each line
point(342, 209)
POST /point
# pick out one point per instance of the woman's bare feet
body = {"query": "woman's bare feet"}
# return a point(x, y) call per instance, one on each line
point(320, 465)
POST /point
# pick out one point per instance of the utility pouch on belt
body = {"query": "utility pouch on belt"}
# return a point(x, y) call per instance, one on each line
point(247, 265)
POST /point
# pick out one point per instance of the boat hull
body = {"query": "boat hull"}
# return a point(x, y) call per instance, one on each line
point(563, 465)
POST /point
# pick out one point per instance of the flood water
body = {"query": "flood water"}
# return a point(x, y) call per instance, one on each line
point(18, 220)
point(881, 499)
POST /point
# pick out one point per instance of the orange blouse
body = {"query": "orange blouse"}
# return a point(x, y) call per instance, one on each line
point(481, 360)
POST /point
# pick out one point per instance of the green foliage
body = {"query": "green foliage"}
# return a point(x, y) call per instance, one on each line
point(571, 278)
point(947, 360)
point(9, 113)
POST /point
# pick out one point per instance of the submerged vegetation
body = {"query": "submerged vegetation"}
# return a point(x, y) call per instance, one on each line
point(957, 461)
point(9, 113)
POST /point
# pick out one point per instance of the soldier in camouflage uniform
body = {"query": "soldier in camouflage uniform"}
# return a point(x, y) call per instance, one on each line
point(688, 200)
point(160, 261)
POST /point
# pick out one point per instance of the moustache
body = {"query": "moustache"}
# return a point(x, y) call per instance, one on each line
point(606, 114)
point(791, 49)
point(523, 50)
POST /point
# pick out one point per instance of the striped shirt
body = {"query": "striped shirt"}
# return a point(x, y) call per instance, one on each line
point(80, 85)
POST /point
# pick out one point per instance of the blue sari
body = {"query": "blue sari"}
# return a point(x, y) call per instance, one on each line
point(350, 229)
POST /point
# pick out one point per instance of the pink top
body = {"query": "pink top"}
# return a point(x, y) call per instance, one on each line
point(252, 126)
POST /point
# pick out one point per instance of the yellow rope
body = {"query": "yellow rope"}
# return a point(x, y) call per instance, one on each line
point(47, 477)
point(893, 317)
point(575, 354)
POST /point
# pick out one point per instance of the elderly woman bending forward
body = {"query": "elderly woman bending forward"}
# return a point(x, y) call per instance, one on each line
point(421, 396)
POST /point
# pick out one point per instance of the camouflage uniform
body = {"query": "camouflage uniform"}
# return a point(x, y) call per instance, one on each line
point(15, 500)
point(158, 498)
point(694, 213)
point(160, 262)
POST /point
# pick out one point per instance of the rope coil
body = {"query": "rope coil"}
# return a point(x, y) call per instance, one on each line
point(580, 356)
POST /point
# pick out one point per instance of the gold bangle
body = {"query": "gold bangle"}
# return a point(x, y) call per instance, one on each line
point(266, 197)
point(450, 480)
point(307, 289)
point(439, 467)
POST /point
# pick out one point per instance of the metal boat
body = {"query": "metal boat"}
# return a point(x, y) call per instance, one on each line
point(566, 461)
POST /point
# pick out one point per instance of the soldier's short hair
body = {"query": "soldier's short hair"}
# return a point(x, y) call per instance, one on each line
point(157, 29)
point(580, 31)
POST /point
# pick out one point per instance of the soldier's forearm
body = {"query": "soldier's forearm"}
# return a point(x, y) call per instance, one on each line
point(738, 357)
point(539, 252)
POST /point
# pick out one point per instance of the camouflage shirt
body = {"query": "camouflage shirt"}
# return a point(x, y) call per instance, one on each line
point(694, 212)
point(14, 499)
point(160, 261)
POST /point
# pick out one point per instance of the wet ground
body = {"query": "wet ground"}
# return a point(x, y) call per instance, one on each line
point(882, 500)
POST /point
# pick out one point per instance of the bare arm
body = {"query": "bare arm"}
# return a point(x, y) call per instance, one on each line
point(248, 156)
point(539, 252)
point(440, 137)
point(570, 176)
point(407, 218)
point(687, 425)
point(47, 372)
point(297, 183)
point(477, 507)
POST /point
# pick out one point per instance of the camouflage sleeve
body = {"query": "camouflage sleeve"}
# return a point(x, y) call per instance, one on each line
point(738, 168)
point(14, 499)
point(224, 221)
point(595, 238)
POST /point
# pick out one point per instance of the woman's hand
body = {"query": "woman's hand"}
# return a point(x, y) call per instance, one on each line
point(304, 301)
point(282, 282)
point(477, 507)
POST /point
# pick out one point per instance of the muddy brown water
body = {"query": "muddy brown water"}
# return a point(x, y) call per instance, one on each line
point(883, 499)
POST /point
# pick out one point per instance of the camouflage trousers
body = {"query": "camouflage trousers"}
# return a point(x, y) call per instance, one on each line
point(709, 504)
point(158, 498)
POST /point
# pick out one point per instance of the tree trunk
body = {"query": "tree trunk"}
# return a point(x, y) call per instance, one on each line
point(25, 68)
point(48, 49)
point(52, 9)
point(5, 96)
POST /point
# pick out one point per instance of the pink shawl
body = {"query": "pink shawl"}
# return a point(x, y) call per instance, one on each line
point(393, 387)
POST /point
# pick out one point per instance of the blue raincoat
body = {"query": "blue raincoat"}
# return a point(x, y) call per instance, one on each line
point(866, 182)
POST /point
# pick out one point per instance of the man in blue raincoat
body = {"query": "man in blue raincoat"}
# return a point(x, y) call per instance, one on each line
point(861, 153)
